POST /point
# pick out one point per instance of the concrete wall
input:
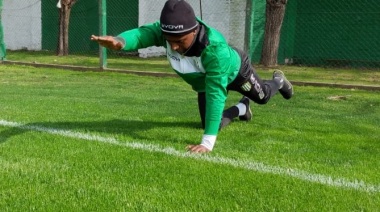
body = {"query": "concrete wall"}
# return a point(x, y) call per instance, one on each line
point(228, 16)
point(22, 24)
point(22, 21)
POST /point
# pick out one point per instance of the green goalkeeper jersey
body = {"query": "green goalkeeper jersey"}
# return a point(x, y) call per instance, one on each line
point(209, 71)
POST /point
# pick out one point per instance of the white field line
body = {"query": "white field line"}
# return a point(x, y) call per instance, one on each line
point(244, 164)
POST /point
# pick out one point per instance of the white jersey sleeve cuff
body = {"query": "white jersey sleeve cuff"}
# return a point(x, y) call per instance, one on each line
point(208, 141)
point(121, 40)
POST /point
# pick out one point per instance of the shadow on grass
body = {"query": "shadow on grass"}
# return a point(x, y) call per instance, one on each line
point(137, 130)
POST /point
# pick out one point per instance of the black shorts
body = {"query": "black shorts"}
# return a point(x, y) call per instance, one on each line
point(248, 82)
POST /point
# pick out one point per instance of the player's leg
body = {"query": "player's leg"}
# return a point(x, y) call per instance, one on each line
point(241, 110)
point(286, 88)
point(202, 107)
point(260, 91)
point(229, 114)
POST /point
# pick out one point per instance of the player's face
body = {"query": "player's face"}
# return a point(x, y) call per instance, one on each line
point(180, 43)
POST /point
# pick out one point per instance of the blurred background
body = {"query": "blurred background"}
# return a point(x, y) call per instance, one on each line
point(314, 33)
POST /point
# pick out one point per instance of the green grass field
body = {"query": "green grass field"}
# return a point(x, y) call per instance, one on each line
point(86, 141)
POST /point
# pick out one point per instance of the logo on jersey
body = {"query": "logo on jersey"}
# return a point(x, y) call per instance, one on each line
point(171, 27)
point(248, 85)
point(174, 57)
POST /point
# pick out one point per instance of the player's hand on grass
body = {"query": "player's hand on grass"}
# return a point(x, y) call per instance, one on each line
point(108, 41)
point(197, 149)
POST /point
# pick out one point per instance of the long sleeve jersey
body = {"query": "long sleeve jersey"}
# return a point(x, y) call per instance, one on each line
point(209, 66)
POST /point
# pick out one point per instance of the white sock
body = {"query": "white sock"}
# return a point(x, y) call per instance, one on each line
point(242, 109)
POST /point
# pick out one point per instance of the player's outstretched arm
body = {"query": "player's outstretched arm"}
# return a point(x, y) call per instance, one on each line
point(108, 41)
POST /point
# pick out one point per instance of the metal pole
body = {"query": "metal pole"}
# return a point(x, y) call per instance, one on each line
point(249, 19)
point(200, 9)
point(103, 32)
point(2, 44)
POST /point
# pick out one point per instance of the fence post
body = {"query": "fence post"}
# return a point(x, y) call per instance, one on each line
point(102, 32)
point(2, 44)
point(248, 27)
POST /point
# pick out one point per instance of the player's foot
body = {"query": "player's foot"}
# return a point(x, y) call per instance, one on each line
point(248, 114)
point(225, 121)
point(286, 88)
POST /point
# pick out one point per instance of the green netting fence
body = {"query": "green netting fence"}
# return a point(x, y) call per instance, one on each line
point(314, 33)
point(332, 33)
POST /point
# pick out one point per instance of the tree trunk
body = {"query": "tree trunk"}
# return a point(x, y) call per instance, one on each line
point(64, 20)
point(275, 11)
